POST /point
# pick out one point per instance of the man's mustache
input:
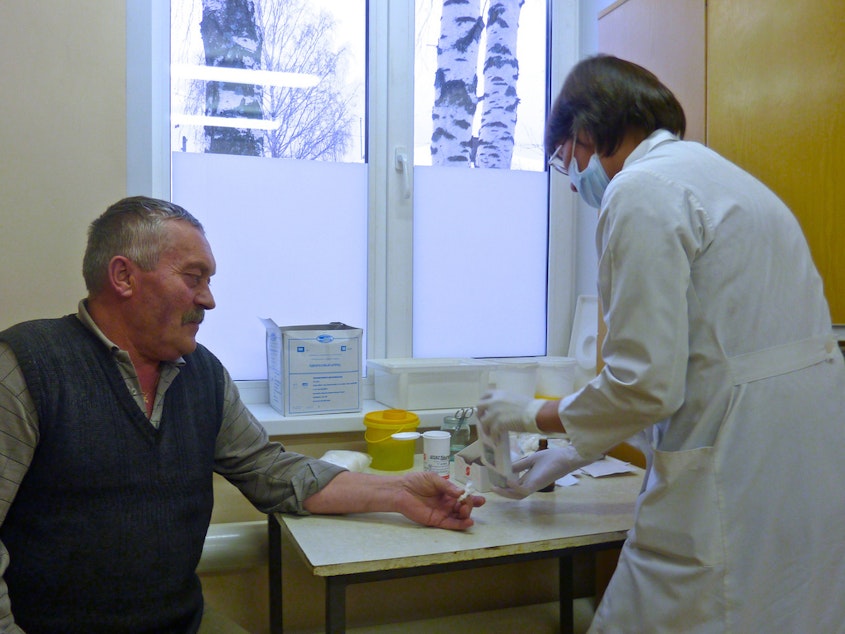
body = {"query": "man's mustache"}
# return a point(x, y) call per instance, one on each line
point(195, 316)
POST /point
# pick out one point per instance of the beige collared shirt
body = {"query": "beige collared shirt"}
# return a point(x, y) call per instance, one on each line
point(169, 369)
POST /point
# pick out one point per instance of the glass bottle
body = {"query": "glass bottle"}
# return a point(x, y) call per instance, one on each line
point(458, 428)
point(544, 444)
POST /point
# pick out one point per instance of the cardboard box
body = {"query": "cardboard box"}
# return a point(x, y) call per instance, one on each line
point(314, 369)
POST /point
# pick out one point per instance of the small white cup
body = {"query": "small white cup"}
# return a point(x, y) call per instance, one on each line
point(436, 452)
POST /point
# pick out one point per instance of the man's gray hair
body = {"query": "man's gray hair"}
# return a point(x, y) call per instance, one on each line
point(134, 228)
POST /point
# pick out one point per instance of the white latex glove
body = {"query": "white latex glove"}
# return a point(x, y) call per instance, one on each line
point(543, 467)
point(500, 411)
point(471, 453)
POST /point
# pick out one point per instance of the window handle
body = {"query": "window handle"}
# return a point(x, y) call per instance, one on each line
point(401, 164)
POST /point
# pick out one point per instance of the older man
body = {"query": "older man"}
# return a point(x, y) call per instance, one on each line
point(112, 422)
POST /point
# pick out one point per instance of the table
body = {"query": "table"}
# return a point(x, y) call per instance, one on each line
point(595, 514)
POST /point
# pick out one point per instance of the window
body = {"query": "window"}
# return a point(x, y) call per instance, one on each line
point(480, 186)
point(431, 257)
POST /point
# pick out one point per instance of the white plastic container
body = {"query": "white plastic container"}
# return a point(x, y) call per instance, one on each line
point(517, 375)
point(436, 452)
point(555, 377)
point(429, 383)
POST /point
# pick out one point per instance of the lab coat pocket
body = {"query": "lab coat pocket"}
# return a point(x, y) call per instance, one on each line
point(678, 516)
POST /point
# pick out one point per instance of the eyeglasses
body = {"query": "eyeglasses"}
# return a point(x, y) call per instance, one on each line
point(556, 161)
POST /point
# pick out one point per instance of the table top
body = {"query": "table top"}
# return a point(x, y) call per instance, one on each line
point(594, 511)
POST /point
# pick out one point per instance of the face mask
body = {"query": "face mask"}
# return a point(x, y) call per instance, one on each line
point(590, 183)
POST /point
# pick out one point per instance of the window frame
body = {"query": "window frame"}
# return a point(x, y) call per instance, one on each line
point(389, 134)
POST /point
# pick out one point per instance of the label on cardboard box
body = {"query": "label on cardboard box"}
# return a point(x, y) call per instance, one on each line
point(313, 369)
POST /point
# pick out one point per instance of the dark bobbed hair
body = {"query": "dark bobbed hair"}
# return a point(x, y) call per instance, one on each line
point(605, 97)
point(132, 227)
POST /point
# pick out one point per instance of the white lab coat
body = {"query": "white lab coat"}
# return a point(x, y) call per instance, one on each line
point(719, 345)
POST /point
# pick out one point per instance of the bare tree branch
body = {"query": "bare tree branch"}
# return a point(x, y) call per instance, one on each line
point(315, 122)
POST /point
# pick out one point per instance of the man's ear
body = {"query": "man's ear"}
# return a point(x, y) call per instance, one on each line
point(121, 275)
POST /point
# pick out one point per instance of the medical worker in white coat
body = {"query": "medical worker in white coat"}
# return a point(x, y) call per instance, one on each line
point(719, 348)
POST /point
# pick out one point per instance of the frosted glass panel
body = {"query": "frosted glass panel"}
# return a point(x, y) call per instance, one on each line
point(479, 262)
point(290, 240)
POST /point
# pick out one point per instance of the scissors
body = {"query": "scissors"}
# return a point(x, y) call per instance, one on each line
point(464, 413)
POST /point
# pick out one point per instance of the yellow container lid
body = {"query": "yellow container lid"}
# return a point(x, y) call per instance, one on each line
point(382, 424)
point(391, 418)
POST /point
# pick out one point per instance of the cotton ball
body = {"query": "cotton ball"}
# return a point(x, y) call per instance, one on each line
point(352, 460)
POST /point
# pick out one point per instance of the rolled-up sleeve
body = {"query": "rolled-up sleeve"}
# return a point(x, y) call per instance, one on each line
point(273, 479)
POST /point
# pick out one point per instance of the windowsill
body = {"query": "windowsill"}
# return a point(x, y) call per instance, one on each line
point(278, 425)
point(254, 395)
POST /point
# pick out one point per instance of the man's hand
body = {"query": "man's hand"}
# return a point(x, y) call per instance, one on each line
point(429, 499)
point(421, 496)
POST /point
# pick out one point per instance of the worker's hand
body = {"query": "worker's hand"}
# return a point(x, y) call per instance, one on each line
point(542, 468)
point(471, 453)
point(430, 499)
point(500, 411)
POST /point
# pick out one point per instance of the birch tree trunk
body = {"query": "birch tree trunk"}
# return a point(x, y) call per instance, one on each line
point(456, 82)
point(230, 38)
point(501, 71)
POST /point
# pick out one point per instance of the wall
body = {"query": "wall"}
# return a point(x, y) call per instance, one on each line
point(62, 145)
point(669, 40)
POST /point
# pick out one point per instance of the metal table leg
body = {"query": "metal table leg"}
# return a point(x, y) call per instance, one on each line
point(274, 544)
point(566, 582)
point(335, 605)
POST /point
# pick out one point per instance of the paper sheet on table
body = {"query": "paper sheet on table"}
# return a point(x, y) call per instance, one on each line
point(607, 466)
point(570, 479)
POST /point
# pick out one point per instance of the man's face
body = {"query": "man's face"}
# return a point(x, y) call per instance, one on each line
point(172, 298)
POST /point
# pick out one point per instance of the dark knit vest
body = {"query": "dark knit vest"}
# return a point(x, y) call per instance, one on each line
point(108, 525)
